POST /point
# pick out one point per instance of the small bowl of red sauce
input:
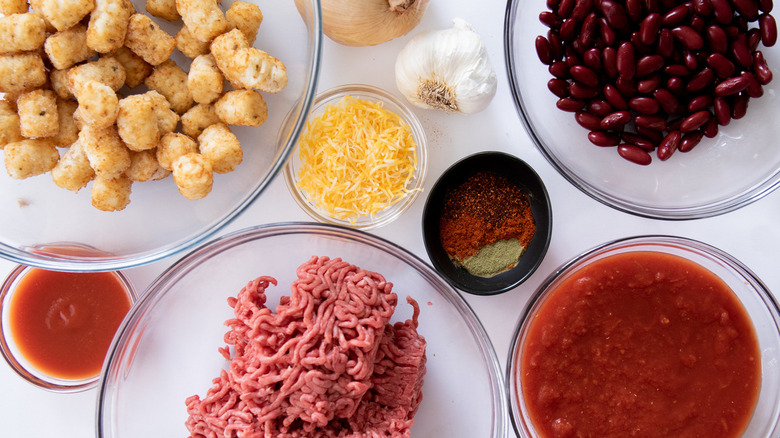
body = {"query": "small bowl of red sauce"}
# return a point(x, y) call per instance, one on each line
point(56, 327)
point(648, 336)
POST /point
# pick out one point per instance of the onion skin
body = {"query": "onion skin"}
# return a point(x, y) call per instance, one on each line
point(367, 22)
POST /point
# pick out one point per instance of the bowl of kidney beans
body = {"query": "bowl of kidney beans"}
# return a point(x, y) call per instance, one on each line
point(663, 108)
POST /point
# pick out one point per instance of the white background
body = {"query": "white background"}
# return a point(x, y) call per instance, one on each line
point(751, 234)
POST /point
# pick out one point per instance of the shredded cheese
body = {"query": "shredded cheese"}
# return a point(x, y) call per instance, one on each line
point(357, 159)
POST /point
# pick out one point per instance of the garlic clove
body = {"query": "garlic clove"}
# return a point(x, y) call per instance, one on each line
point(448, 70)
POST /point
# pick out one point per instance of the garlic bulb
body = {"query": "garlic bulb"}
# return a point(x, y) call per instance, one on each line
point(447, 70)
point(367, 22)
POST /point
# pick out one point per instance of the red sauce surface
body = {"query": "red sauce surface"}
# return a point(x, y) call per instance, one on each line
point(641, 344)
point(63, 322)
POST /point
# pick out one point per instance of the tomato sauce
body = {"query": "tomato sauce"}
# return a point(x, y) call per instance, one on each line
point(641, 344)
point(63, 322)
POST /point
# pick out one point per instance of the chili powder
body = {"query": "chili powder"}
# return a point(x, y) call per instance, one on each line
point(487, 208)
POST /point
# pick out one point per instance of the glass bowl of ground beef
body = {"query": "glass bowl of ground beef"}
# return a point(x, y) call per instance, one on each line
point(301, 329)
point(647, 335)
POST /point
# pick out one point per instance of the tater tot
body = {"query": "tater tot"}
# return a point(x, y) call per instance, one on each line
point(38, 115)
point(198, 118)
point(36, 6)
point(98, 104)
point(224, 48)
point(105, 150)
point(204, 18)
point(58, 81)
point(165, 9)
point(10, 131)
point(221, 147)
point(170, 80)
point(68, 47)
point(172, 146)
point(247, 67)
point(147, 40)
point(193, 175)
point(137, 123)
point(111, 193)
point(204, 80)
point(8, 7)
point(242, 108)
point(167, 119)
point(108, 25)
point(30, 157)
point(73, 171)
point(68, 132)
point(245, 17)
point(20, 72)
point(64, 14)
point(136, 69)
point(144, 167)
point(106, 70)
point(189, 45)
point(21, 32)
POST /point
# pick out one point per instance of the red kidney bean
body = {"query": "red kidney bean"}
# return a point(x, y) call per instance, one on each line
point(655, 123)
point(721, 65)
point(648, 64)
point(608, 34)
point(634, 154)
point(568, 30)
point(640, 48)
point(552, 4)
point(556, 45)
point(699, 103)
point(647, 86)
point(589, 31)
point(543, 50)
point(677, 70)
point(741, 52)
point(649, 28)
point(565, 7)
point(558, 87)
point(722, 111)
point(710, 129)
point(676, 15)
point(652, 5)
point(614, 97)
point(588, 121)
point(675, 85)
point(698, 24)
point(761, 69)
point(626, 63)
point(634, 10)
point(739, 106)
point(700, 80)
point(615, 120)
point(665, 45)
point(732, 86)
point(688, 37)
point(674, 125)
point(638, 140)
point(592, 59)
point(754, 88)
point(695, 121)
point(754, 39)
point(644, 105)
point(599, 107)
point(626, 87)
point(702, 7)
point(768, 27)
point(717, 39)
point(559, 69)
point(600, 138)
point(569, 104)
point(609, 60)
point(614, 13)
point(584, 75)
point(550, 20)
point(580, 91)
point(666, 99)
point(571, 58)
point(722, 11)
point(746, 8)
point(690, 140)
point(651, 134)
point(765, 5)
point(668, 145)
point(581, 9)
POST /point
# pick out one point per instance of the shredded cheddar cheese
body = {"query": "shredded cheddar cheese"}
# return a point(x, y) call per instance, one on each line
point(356, 159)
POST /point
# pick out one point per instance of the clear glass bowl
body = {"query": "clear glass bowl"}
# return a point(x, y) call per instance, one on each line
point(166, 349)
point(739, 166)
point(160, 222)
point(16, 360)
point(755, 297)
point(391, 103)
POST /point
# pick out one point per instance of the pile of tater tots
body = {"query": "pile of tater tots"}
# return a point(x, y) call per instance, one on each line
point(92, 95)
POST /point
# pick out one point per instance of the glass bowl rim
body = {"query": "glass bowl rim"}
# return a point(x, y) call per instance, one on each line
point(407, 115)
point(216, 246)
point(686, 243)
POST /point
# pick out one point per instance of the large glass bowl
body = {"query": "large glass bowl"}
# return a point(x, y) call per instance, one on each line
point(166, 349)
point(159, 221)
point(758, 301)
point(739, 166)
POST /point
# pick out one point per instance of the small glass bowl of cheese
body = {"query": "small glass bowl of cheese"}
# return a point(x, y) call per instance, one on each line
point(360, 162)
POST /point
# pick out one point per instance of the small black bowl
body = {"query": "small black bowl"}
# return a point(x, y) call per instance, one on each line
point(517, 171)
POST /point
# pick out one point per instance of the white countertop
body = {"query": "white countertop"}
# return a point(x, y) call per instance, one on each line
point(751, 234)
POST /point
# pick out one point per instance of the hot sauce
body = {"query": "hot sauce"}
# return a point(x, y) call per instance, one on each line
point(63, 323)
point(641, 344)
